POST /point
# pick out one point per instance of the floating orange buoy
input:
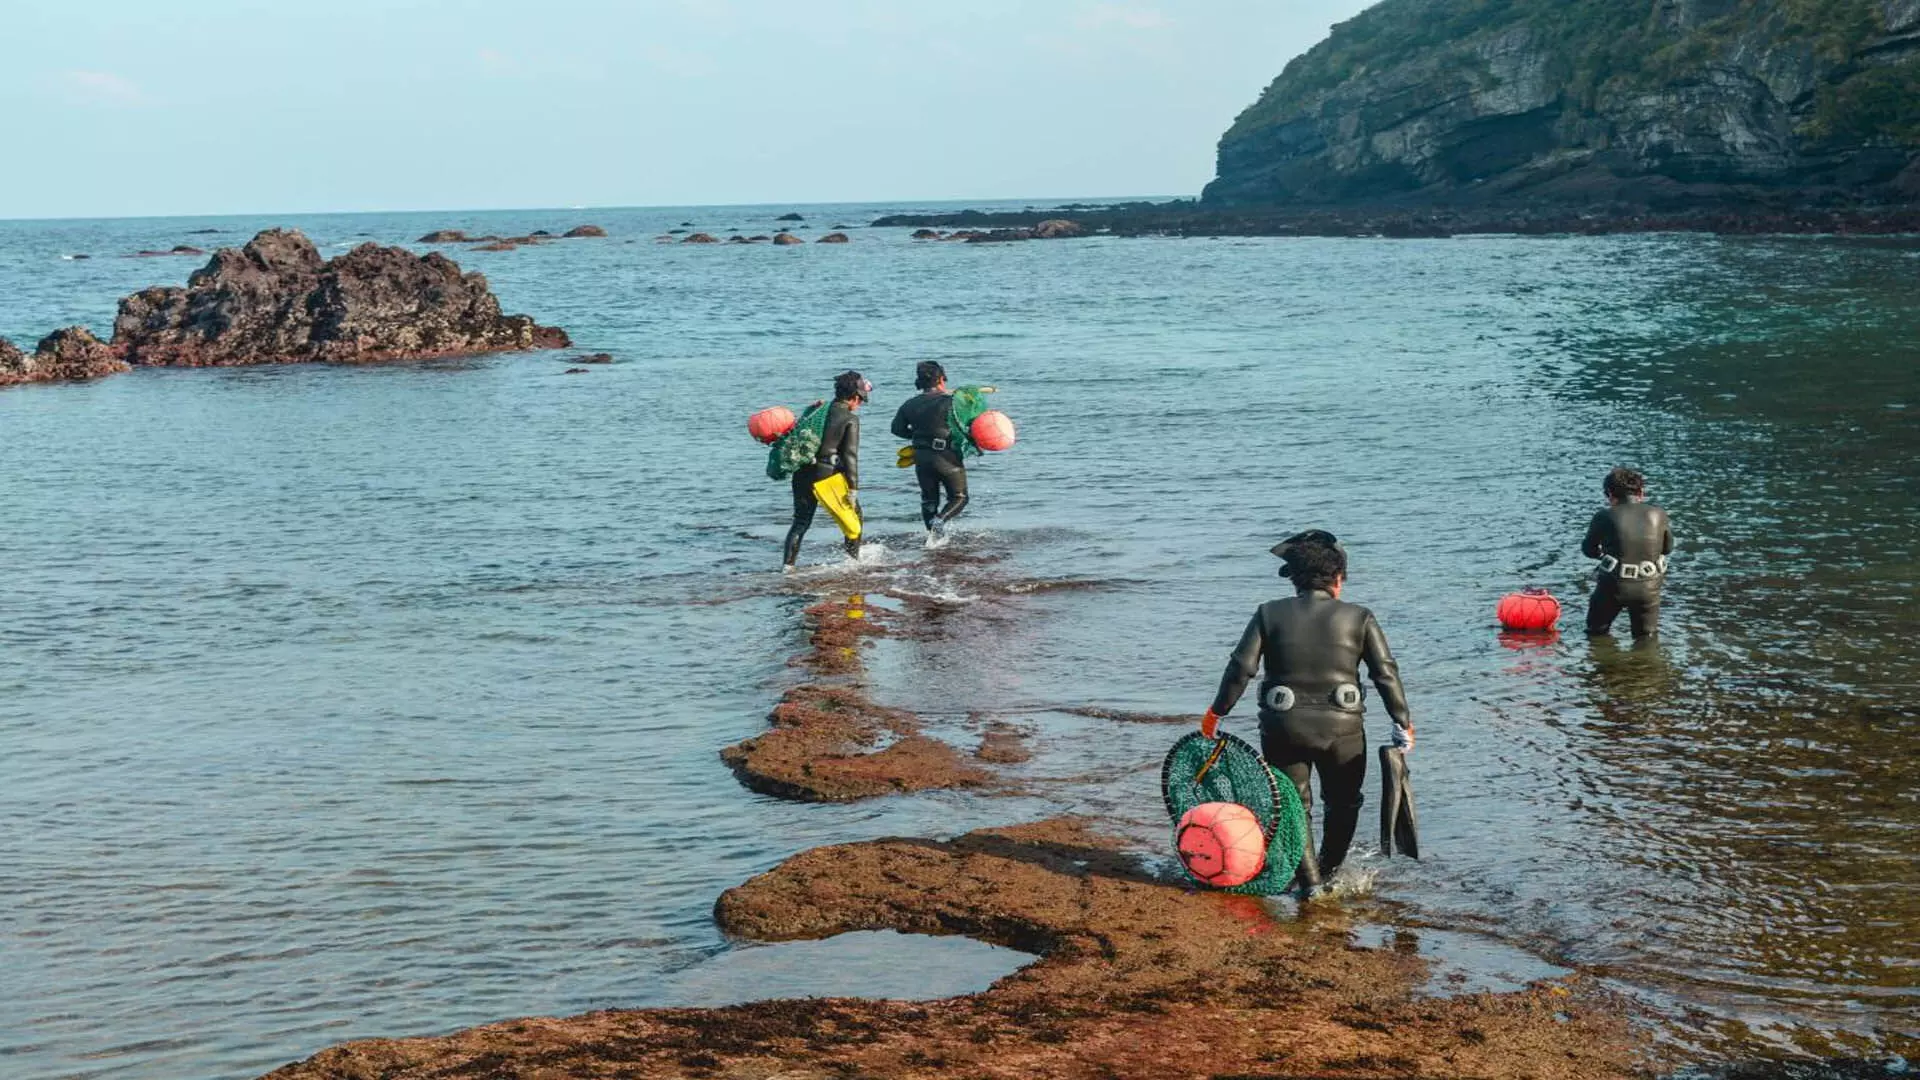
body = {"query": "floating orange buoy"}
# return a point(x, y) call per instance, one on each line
point(1221, 844)
point(1528, 609)
point(769, 424)
point(992, 430)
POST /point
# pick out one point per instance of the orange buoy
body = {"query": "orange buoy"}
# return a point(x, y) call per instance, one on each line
point(1528, 609)
point(769, 424)
point(1221, 844)
point(992, 430)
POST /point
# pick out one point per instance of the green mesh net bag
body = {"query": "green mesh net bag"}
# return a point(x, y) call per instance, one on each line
point(800, 445)
point(1202, 770)
point(968, 403)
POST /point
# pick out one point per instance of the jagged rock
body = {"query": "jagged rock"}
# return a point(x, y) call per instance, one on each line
point(785, 239)
point(833, 238)
point(64, 355)
point(277, 301)
point(579, 231)
point(446, 236)
point(1058, 229)
point(700, 238)
point(1589, 103)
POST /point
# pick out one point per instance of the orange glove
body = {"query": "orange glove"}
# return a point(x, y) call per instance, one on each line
point(1210, 724)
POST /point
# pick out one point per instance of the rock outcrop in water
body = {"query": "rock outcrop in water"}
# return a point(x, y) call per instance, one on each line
point(277, 301)
point(1666, 104)
point(62, 356)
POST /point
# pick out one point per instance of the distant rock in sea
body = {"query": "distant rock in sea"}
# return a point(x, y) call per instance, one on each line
point(178, 249)
point(699, 238)
point(277, 301)
point(785, 239)
point(446, 236)
point(593, 358)
point(1058, 229)
point(62, 356)
point(833, 238)
point(579, 231)
point(790, 217)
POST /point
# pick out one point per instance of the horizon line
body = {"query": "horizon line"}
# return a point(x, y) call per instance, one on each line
point(1032, 201)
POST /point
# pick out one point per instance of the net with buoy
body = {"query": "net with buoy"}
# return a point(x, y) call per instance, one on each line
point(1199, 770)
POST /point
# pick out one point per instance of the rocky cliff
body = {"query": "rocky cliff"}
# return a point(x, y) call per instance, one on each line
point(1653, 103)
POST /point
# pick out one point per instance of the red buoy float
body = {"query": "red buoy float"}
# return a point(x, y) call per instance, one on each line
point(992, 430)
point(1528, 609)
point(769, 424)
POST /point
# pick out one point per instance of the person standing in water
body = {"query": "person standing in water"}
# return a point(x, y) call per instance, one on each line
point(1311, 704)
point(839, 453)
point(1632, 541)
point(925, 420)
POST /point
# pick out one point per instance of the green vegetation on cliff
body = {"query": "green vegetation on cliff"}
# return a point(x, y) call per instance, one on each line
point(1596, 46)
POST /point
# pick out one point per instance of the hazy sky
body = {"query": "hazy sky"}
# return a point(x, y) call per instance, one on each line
point(120, 107)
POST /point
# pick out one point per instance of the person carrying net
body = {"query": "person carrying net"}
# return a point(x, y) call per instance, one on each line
point(1311, 704)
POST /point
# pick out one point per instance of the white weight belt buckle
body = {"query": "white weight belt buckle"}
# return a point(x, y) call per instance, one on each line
point(1279, 698)
point(1608, 564)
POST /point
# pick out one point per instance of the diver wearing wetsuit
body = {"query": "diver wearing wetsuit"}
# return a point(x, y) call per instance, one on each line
point(1310, 701)
point(839, 453)
point(1632, 541)
point(924, 419)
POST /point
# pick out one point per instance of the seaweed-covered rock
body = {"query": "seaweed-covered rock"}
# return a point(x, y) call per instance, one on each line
point(277, 301)
point(64, 355)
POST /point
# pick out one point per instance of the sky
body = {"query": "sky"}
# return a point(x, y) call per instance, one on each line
point(128, 107)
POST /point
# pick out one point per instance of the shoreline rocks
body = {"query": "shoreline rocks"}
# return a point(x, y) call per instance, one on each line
point(1135, 976)
point(1185, 218)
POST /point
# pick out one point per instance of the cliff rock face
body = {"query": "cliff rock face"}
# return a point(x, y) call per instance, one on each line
point(72, 353)
point(1647, 102)
point(277, 301)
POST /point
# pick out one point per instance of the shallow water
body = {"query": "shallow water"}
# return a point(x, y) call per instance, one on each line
point(348, 702)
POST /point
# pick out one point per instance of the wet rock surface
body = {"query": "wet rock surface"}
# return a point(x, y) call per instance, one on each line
point(787, 238)
point(276, 301)
point(834, 238)
point(62, 356)
point(579, 231)
point(1137, 977)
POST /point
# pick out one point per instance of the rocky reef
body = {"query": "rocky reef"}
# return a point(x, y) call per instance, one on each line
point(1663, 105)
point(62, 356)
point(1136, 977)
point(277, 301)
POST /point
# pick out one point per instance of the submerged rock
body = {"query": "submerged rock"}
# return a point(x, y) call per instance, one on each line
point(62, 356)
point(446, 236)
point(594, 358)
point(277, 301)
point(790, 217)
point(926, 234)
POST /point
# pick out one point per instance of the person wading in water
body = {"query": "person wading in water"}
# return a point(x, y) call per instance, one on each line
point(1631, 540)
point(839, 453)
point(925, 420)
point(1311, 704)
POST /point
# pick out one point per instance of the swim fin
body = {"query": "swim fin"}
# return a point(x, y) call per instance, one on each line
point(905, 457)
point(1399, 827)
point(834, 494)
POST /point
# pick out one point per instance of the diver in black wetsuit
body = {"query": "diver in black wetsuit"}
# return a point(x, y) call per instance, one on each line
point(1310, 700)
point(1632, 541)
point(839, 453)
point(937, 465)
